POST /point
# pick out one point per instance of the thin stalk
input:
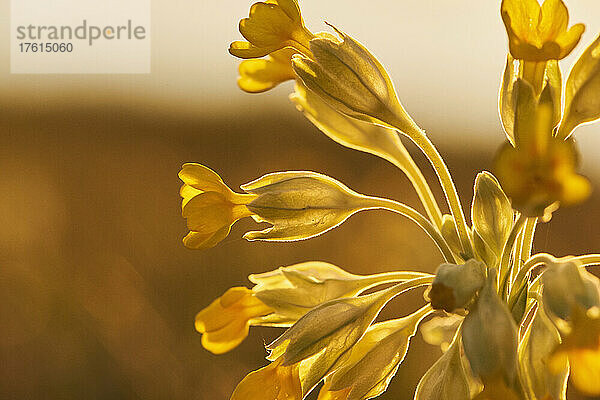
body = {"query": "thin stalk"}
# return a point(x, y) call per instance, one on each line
point(422, 141)
point(388, 294)
point(419, 183)
point(544, 258)
point(370, 281)
point(517, 256)
point(523, 248)
point(528, 235)
point(587, 259)
point(506, 252)
point(418, 218)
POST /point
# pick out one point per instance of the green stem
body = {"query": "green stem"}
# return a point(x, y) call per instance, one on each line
point(525, 243)
point(422, 141)
point(528, 234)
point(419, 183)
point(415, 216)
point(506, 252)
point(517, 256)
point(370, 281)
point(544, 258)
point(587, 259)
point(388, 294)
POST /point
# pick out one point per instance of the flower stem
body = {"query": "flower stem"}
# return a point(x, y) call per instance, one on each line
point(525, 243)
point(441, 169)
point(415, 216)
point(506, 252)
point(406, 163)
point(544, 258)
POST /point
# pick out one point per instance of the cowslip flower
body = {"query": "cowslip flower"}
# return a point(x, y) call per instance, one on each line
point(539, 33)
point(275, 381)
point(581, 347)
point(225, 322)
point(535, 350)
point(271, 26)
point(537, 169)
point(448, 378)
point(294, 290)
point(373, 361)
point(280, 298)
point(490, 282)
point(490, 338)
point(260, 75)
point(568, 287)
point(455, 286)
point(209, 206)
point(535, 181)
point(351, 79)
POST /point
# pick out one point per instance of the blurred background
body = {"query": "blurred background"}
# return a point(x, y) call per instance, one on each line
point(98, 294)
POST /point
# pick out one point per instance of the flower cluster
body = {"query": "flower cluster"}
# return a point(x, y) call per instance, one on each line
point(511, 324)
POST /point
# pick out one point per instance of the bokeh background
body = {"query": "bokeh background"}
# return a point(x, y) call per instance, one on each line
point(97, 293)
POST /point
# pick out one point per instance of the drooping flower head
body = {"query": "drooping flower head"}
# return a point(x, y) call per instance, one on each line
point(271, 26)
point(225, 322)
point(537, 183)
point(209, 206)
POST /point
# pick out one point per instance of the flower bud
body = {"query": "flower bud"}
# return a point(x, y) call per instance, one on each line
point(332, 328)
point(455, 286)
point(491, 212)
point(209, 206)
point(351, 80)
point(490, 336)
point(294, 290)
point(567, 286)
point(299, 205)
point(373, 361)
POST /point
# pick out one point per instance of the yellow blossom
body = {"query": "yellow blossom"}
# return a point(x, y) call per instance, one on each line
point(536, 179)
point(260, 75)
point(352, 81)
point(225, 322)
point(273, 382)
point(539, 33)
point(271, 26)
point(367, 369)
point(582, 348)
point(209, 206)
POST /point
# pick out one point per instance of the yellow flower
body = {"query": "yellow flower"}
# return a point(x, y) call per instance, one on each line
point(539, 33)
point(225, 322)
point(273, 382)
point(369, 366)
point(582, 348)
point(209, 206)
point(260, 75)
point(352, 81)
point(271, 26)
point(535, 178)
